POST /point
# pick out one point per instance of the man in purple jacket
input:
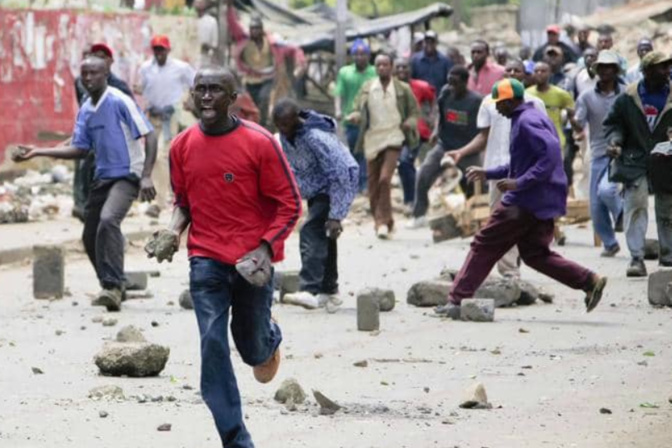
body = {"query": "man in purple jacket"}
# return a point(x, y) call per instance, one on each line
point(535, 192)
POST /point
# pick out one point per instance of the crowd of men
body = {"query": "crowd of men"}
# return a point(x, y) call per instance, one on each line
point(515, 123)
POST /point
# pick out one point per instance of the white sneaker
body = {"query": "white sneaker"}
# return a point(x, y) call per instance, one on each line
point(417, 223)
point(304, 299)
point(382, 233)
point(332, 302)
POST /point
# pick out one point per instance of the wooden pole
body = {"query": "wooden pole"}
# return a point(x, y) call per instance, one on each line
point(340, 41)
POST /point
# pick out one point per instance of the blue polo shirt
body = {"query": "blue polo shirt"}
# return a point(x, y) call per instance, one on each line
point(113, 128)
point(433, 70)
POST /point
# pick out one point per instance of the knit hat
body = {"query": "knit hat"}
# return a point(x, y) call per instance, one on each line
point(358, 45)
point(508, 89)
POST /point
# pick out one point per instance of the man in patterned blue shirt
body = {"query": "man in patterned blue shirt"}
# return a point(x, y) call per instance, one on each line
point(327, 175)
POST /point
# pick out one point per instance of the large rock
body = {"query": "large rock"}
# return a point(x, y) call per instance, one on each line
point(135, 359)
point(505, 291)
point(384, 297)
point(651, 249)
point(429, 293)
point(478, 310)
point(658, 282)
point(528, 293)
point(186, 301)
point(130, 334)
point(290, 390)
point(475, 397)
point(445, 228)
point(48, 272)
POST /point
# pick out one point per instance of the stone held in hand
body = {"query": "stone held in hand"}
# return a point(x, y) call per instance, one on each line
point(140, 359)
point(475, 397)
point(384, 297)
point(130, 333)
point(477, 310)
point(429, 293)
point(186, 300)
point(290, 390)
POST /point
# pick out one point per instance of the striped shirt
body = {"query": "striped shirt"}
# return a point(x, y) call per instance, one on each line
point(113, 128)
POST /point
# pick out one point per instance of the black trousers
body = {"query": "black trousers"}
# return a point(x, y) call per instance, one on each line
point(108, 204)
point(319, 270)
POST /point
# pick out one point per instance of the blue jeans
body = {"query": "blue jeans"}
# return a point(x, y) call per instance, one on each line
point(407, 172)
point(217, 288)
point(351, 135)
point(605, 202)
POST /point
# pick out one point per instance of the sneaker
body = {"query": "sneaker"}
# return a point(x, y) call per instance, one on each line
point(449, 310)
point(264, 373)
point(618, 226)
point(382, 233)
point(611, 252)
point(417, 223)
point(637, 268)
point(304, 299)
point(332, 302)
point(109, 298)
point(594, 296)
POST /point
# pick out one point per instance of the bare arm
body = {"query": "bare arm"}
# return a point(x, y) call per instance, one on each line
point(476, 145)
point(147, 190)
point(179, 221)
point(58, 152)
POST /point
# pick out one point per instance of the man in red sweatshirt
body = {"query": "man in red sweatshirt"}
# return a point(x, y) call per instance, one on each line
point(233, 185)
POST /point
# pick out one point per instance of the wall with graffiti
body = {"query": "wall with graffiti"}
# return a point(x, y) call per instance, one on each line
point(40, 52)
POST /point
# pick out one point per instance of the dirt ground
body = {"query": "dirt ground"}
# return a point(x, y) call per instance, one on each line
point(548, 369)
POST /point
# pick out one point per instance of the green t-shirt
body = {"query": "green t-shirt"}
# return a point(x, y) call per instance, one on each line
point(348, 83)
point(555, 99)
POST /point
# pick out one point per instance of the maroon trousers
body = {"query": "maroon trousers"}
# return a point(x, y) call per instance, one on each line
point(509, 226)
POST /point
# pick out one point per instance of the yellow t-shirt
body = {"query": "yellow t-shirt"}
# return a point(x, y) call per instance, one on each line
point(555, 99)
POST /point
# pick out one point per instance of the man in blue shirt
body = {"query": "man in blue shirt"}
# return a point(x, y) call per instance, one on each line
point(429, 65)
point(327, 175)
point(110, 123)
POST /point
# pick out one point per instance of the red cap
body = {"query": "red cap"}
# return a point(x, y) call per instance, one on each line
point(161, 41)
point(104, 48)
point(553, 29)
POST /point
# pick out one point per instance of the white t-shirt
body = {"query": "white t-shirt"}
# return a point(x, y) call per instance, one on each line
point(497, 148)
point(164, 86)
point(208, 31)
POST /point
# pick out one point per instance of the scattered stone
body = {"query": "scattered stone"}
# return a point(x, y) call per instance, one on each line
point(97, 319)
point(136, 281)
point(528, 293)
point(110, 322)
point(185, 300)
point(546, 297)
point(59, 332)
point(363, 363)
point(37, 371)
point(155, 324)
point(478, 310)
point(605, 411)
point(504, 291)
point(318, 356)
point(134, 360)
point(445, 227)
point(385, 297)
point(476, 398)
point(651, 249)
point(429, 293)
point(165, 427)
point(103, 414)
point(327, 406)
point(286, 282)
point(130, 334)
point(523, 330)
point(290, 390)
point(107, 393)
point(658, 282)
point(48, 272)
point(368, 313)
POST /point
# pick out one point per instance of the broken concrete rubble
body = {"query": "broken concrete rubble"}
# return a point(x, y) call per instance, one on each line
point(48, 272)
point(478, 310)
point(429, 293)
point(475, 397)
point(658, 284)
point(186, 301)
point(368, 313)
point(504, 291)
point(130, 334)
point(290, 390)
point(139, 359)
point(384, 297)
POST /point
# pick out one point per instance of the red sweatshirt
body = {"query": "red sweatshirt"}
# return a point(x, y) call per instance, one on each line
point(238, 188)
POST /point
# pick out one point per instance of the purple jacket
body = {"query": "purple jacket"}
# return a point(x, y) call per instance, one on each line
point(536, 164)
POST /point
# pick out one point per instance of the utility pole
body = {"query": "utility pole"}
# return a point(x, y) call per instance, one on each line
point(341, 19)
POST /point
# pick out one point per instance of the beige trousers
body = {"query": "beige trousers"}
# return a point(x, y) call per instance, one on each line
point(161, 172)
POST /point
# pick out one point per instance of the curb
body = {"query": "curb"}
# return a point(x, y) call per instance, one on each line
point(20, 254)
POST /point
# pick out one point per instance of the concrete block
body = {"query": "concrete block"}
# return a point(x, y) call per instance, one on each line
point(658, 285)
point(444, 228)
point(429, 293)
point(385, 297)
point(136, 280)
point(368, 313)
point(48, 272)
point(651, 249)
point(478, 310)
